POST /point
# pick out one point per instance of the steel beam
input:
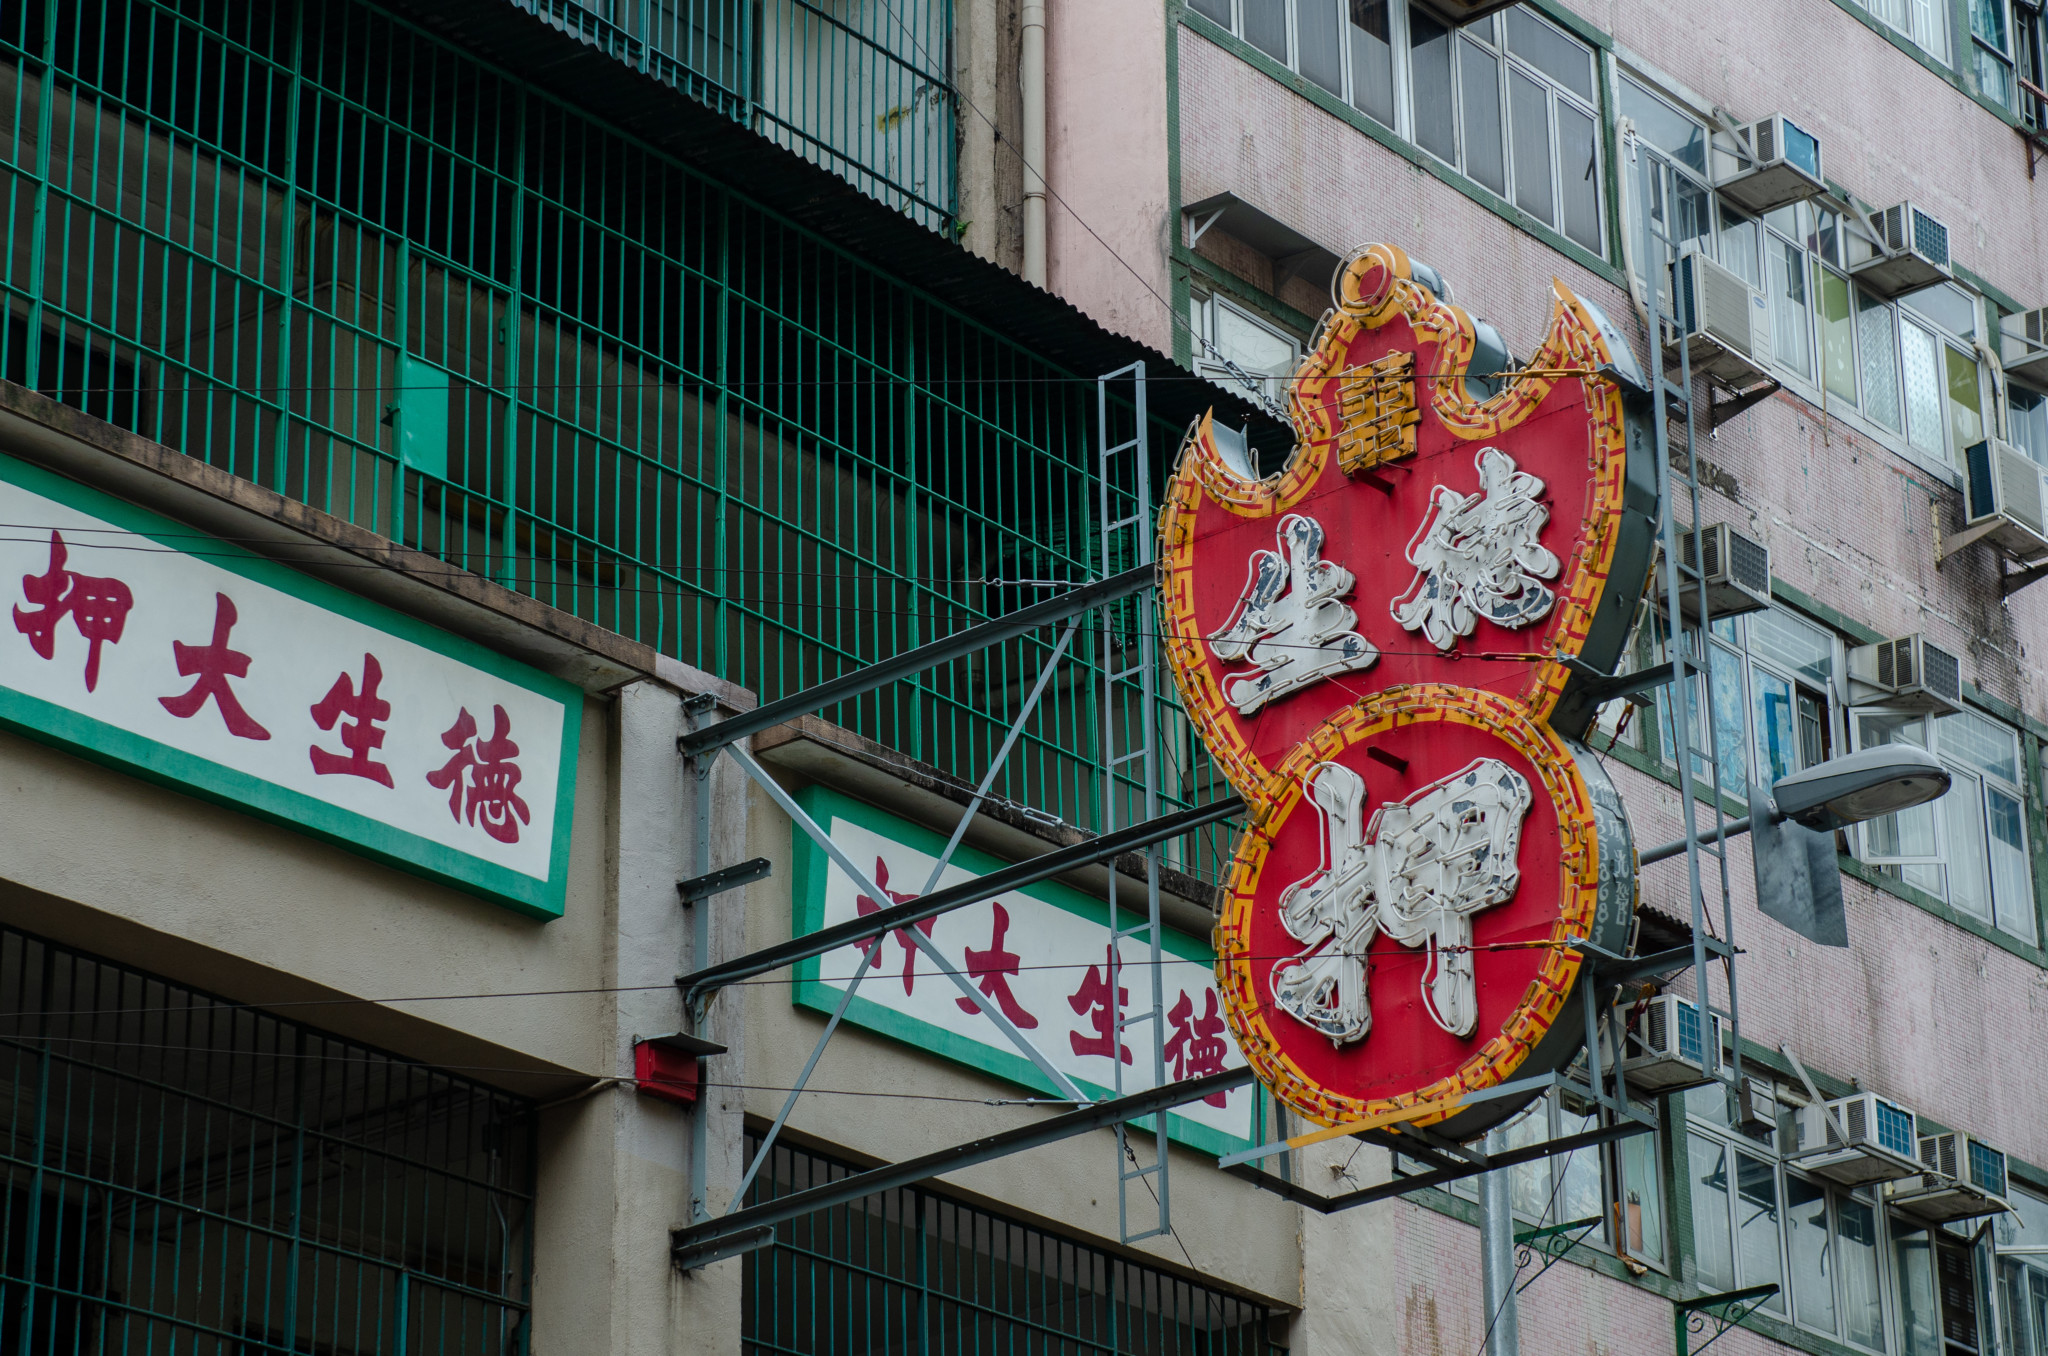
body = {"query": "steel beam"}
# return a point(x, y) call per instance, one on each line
point(1016, 876)
point(697, 743)
point(692, 1246)
point(1731, 829)
point(1401, 1186)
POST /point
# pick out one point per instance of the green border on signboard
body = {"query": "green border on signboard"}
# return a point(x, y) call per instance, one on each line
point(108, 744)
point(810, 870)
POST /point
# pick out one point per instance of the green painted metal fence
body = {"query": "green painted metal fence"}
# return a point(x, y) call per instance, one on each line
point(908, 1271)
point(323, 250)
point(182, 1175)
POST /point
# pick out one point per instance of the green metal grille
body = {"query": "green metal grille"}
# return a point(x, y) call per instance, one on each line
point(331, 254)
point(186, 1175)
point(913, 1272)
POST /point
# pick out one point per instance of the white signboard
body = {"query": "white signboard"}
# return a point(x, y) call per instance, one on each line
point(1041, 954)
point(189, 660)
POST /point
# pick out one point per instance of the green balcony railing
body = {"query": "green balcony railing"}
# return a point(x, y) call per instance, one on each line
point(336, 256)
point(860, 87)
point(916, 1272)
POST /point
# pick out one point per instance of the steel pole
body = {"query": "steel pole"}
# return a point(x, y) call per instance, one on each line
point(1497, 1253)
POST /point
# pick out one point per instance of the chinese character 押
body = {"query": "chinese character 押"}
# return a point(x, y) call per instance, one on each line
point(97, 607)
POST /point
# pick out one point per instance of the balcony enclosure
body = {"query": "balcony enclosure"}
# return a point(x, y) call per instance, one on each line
point(321, 249)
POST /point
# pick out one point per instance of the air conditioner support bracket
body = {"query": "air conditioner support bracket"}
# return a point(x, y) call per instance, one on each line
point(1721, 411)
point(1693, 1315)
point(1969, 536)
point(2015, 580)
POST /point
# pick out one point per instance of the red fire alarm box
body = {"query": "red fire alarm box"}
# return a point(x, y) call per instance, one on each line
point(672, 1067)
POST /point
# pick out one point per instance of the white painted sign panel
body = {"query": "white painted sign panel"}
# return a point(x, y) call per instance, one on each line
point(184, 658)
point(1041, 954)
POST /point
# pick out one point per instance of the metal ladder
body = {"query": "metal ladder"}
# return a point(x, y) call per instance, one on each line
point(1130, 674)
point(1678, 465)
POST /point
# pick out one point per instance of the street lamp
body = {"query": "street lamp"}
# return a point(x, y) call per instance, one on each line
point(1840, 792)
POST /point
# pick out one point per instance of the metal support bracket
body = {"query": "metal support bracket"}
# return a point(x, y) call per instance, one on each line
point(1691, 1316)
point(1720, 412)
point(2012, 581)
point(943, 651)
point(1551, 1254)
point(1598, 688)
point(696, 1244)
point(725, 878)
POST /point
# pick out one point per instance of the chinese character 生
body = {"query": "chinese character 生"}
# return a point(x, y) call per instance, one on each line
point(1094, 1001)
point(1291, 622)
point(360, 733)
point(97, 607)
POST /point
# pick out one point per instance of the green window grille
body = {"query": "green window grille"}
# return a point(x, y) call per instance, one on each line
point(910, 1271)
point(335, 255)
point(188, 1175)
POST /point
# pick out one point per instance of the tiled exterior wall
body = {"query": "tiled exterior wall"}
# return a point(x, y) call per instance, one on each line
point(1917, 1008)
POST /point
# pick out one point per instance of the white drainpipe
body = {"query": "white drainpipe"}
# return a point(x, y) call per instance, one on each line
point(1031, 75)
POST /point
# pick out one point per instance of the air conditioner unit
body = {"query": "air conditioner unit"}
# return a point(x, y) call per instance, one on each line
point(1782, 165)
point(1964, 1180)
point(1877, 1141)
point(1907, 672)
point(1916, 252)
point(2025, 349)
point(1724, 323)
point(1737, 571)
point(2006, 492)
point(1667, 1048)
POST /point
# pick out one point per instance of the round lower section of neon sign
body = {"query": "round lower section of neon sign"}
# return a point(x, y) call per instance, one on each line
point(1395, 930)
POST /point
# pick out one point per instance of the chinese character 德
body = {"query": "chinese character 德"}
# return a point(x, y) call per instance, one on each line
point(97, 607)
point(1476, 555)
point(360, 734)
point(1095, 1001)
point(481, 779)
point(864, 906)
point(993, 970)
point(1377, 402)
point(1290, 622)
point(213, 664)
point(1196, 1046)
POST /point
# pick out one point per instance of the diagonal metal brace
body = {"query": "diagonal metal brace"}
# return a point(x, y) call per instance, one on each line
point(694, 1245)
point(697, 743)
point(959, 896)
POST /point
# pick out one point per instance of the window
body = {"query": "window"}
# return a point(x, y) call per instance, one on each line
point(1757, 1221)
point(1970, 847)
point(1674, 151)
point(1940, 1292)
point(1770, 682)
point(1991, 49)
point(1237, 350)
point(1511, 101)
point(1618, 1185)
point(1921, 22)
point(2027, 422)
point(2021, 1249)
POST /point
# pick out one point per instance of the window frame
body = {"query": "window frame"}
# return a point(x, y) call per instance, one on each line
point(1205, 306)
point(1733, 646)
point(1902, 866)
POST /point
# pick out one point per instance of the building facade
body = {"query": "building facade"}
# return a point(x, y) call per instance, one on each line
point(532, 385)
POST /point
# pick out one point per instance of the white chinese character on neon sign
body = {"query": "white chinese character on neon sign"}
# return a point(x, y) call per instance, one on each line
point(1418, 873)
point(1476, 555)
point(1290, 622)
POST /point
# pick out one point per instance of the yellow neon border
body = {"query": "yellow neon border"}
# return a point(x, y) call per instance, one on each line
point(1375, 288)
point(1578, 886)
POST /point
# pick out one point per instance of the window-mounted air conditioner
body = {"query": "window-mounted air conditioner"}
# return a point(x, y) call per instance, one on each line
point(1737, 571)
point(1724, 323)
point(1457, 13)
point(1907, 672)
point(1668, 1048)
point(1964, 1179)
point(1915, 253)
point(2007, 493)
point(1782, 165)
point(2025, 347)
point(1877, 1140)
